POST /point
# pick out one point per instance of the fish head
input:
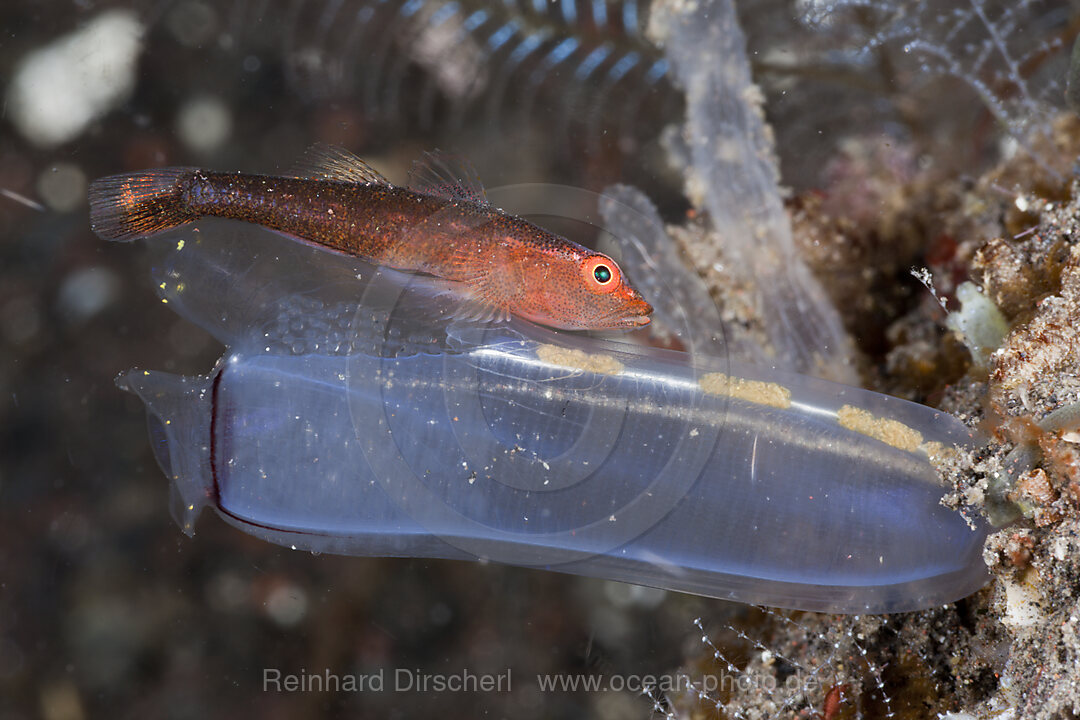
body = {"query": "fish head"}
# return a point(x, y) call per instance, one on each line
point(582, 291)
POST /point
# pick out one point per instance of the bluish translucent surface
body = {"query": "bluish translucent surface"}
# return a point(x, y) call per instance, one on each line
point(349, 415)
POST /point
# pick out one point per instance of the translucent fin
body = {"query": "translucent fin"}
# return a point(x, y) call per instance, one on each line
point(138, 205)
point(178, 413)
point(480, 310)
point(433, 302)
point(329, 162)
point(447, 176)
point(474, 303)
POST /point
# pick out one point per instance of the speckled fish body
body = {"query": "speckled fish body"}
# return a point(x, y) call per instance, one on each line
point(519, 445)
point(503, 264)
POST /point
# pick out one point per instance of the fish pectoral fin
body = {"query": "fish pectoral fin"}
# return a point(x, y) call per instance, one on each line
point(436, 300)
point(446, 176)
point(481, 311)
point(477, 304)
point(329, 162)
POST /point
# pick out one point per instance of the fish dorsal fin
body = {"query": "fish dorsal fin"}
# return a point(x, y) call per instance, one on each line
point(330, 162)
point(447, 176)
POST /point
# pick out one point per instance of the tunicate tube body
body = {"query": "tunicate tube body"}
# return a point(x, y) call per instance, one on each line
point(339, 423)
point(733, 174)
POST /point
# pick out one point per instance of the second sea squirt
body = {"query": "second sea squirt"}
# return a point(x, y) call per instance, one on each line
point(441, 225)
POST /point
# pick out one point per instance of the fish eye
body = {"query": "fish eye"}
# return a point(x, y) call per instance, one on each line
point(600, 274)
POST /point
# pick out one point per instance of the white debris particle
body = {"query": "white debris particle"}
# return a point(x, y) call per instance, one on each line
point(62, 187)
point(86, 292)
point(59, 89)
point(1022, 606)
point(1060, 548)
point(287, 604)
point(204, 123)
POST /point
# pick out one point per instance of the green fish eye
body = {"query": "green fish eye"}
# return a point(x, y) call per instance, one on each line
point(602, 273)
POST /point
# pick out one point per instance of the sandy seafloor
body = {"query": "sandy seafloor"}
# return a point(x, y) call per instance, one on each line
point(107, 610)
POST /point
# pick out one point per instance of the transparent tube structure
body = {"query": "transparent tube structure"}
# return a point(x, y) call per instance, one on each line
point(352, 414)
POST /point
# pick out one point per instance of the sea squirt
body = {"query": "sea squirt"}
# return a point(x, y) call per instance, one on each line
point(352, 414)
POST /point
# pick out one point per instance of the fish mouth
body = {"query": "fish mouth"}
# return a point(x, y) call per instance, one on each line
point(639, 312)
point(638, 318)
point(635, 321)
point(634, 314)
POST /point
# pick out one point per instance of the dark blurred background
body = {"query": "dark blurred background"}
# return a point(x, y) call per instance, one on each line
point(106, 609)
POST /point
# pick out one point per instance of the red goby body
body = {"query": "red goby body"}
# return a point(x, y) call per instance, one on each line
point(504, 264)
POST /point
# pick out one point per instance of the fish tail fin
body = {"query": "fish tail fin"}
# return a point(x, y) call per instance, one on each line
point(137, 205)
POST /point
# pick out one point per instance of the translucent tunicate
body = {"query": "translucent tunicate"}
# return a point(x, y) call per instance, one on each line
point(352, 414)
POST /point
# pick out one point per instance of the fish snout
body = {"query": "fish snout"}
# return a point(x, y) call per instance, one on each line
point(638, 311)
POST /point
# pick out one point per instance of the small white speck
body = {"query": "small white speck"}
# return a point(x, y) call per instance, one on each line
point(204, 123)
